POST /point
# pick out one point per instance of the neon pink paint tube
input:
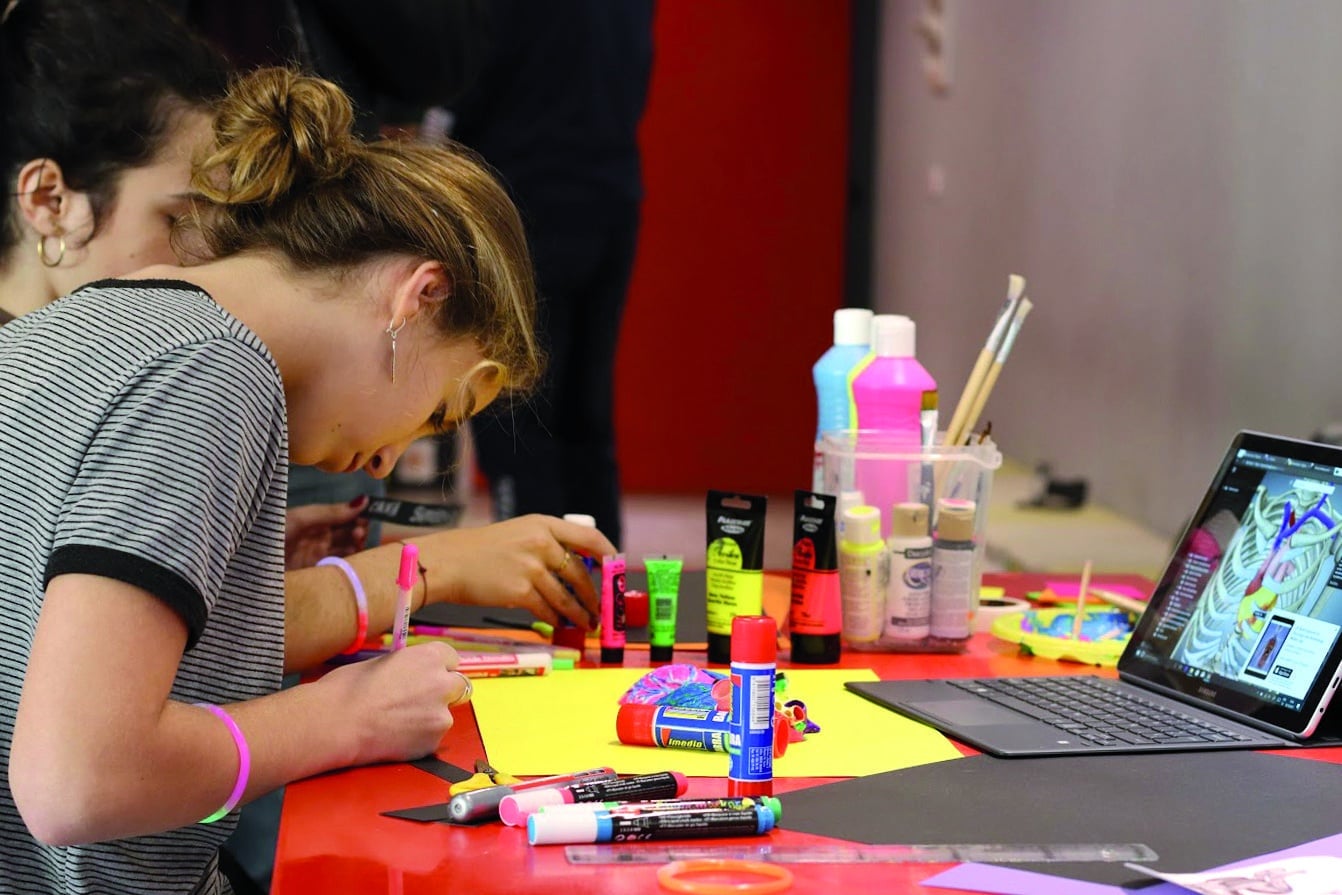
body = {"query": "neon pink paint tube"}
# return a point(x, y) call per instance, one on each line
point(612, 609)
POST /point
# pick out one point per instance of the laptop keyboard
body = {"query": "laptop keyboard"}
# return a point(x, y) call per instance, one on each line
point(1087, 709)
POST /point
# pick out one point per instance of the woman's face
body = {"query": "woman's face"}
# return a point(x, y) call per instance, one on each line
point(357, 418)
point(137, 223)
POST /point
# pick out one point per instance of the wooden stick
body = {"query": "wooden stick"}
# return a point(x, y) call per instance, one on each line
point(1081, 601)
point(1128, 604)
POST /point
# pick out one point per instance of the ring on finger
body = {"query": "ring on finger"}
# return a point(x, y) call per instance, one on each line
point(568, 554)
point(467, 691)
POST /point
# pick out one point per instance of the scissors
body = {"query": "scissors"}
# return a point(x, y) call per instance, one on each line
point(484, 776)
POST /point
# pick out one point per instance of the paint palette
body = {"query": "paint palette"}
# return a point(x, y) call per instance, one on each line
point(1047, 633)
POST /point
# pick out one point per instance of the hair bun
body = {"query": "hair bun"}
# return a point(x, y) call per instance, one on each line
point(277, 131)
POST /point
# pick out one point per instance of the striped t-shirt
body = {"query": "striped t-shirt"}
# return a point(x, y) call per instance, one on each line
point(143, 438)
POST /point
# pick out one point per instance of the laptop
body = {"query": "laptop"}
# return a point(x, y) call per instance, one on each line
point(1240, 645)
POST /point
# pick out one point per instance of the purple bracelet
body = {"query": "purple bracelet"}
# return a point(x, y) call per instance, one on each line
point(360, 600)
point(244, 762)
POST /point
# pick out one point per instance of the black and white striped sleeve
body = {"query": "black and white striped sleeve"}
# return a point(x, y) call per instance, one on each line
point(175, 475)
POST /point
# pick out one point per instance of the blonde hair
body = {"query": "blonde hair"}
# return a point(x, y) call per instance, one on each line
point(288, 174)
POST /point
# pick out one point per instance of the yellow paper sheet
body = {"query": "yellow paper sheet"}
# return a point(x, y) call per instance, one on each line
point(565, 721)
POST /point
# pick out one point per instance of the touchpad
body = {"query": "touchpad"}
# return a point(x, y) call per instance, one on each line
point(964, 712)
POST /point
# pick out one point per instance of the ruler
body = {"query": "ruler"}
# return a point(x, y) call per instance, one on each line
point(986, 853)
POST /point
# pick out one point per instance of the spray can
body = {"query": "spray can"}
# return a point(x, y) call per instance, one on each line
point(895, 410)
point(852, 337)
point(953, 556)
point(861, 582)
point(908, 596)
point(750, 768)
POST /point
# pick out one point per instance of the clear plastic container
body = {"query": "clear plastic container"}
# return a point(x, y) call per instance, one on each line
point(939, 477)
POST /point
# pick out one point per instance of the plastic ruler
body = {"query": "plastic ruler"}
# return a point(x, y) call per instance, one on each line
point(986, 853)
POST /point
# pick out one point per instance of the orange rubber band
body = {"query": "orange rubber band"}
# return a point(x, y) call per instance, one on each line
point(776, 878)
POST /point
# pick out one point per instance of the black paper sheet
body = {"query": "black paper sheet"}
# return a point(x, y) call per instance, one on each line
point(1197, 810)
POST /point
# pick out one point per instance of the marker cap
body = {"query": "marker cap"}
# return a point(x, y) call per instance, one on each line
point(516, 808)
point(560, 827)
point(754, 639)
point(405, 577)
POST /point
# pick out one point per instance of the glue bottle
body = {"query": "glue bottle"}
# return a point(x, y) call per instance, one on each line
point(852, 337)
point(908, 600)
point(861, 582)
point(895, 411)
point(953, 555)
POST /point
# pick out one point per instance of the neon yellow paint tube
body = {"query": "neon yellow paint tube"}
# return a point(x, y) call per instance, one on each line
point(735, 566)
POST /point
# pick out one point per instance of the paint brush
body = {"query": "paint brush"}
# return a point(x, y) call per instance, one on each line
point(990, 380)
point(956, 429)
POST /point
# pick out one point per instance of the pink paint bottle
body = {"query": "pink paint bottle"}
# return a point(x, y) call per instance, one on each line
point(895, 411)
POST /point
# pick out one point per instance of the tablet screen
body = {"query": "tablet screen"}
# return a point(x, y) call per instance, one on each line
point(1247, 616)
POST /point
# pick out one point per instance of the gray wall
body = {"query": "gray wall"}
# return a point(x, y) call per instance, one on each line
point(1168, 177)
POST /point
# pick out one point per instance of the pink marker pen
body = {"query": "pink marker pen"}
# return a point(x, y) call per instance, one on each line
point(514, 809)
point(405, 583)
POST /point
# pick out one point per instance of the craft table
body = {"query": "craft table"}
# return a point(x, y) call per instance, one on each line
point(333, 839)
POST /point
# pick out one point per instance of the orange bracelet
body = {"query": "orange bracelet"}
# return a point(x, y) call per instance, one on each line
point(775, 878)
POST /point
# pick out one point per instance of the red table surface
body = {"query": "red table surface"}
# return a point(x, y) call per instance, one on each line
point(333, 839)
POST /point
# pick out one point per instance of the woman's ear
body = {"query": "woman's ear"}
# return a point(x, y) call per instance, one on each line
point(46, 202)
point(421, 290)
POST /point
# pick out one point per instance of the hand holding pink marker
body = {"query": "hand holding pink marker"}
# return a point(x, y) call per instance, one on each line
point(405, 583)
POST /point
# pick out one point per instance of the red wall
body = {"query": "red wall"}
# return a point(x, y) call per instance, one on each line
point(740, 260)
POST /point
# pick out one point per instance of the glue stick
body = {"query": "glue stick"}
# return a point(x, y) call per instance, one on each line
point(750, 769)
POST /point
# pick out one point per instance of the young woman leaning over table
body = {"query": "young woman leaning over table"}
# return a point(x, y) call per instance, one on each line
point(351, 298)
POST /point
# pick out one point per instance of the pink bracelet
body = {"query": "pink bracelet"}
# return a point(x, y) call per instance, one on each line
point(244, 763)
point(360, 600)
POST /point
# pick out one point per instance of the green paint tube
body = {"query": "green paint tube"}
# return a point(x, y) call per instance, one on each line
point(663, 597)
point(735, 566)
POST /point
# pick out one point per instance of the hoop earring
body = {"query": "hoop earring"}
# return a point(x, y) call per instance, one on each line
point(393, 332)
point(42, 251)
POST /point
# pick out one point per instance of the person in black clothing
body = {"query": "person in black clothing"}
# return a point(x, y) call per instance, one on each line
point(389, 54)
point(555, 111)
